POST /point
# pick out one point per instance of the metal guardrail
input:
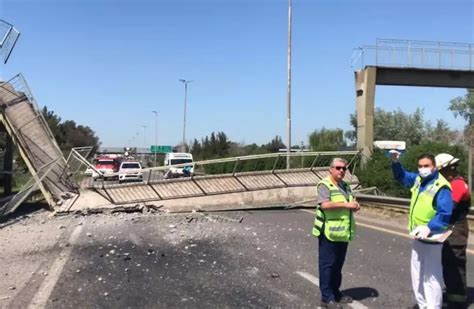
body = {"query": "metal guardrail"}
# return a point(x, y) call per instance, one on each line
point(415, 54)
point(394, 202)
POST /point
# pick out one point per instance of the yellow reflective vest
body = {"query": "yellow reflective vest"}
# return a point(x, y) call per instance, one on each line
point(422, 203)
point(336, 224)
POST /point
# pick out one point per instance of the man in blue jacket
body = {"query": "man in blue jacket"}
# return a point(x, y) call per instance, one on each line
point(430, 211)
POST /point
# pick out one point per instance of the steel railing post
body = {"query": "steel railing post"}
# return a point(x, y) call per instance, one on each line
point(409, 53)
point(235, 167)
point(149, 176)
point(439, 55)
point(275, 163)
point(422, 56)
point(452, 58)
point(470, 57)
point(314, 162)
point(376, 52)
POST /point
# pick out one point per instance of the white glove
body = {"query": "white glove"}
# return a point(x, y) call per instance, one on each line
point(421, 232)
point(394, 155)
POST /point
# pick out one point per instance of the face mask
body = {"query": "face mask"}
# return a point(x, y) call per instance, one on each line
point(424, 172)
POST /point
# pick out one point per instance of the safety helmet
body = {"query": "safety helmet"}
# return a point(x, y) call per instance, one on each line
point(445, 159)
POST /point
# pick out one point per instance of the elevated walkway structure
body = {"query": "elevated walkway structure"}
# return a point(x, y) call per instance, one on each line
point(37, 146)
point(230, 183)
point(406, 63)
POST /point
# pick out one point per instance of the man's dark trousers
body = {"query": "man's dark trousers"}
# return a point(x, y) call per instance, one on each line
point(454, 265)
point(331, 259)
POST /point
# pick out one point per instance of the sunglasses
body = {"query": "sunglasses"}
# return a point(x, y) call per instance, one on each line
point(339, 168)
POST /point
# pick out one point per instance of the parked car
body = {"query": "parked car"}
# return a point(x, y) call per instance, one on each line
point(130, 171)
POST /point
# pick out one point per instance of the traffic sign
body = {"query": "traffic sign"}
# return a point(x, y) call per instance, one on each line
point(160, 149)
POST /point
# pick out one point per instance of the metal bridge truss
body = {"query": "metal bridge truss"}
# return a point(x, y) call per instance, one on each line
point(224, 176)
point(415, 54)
point(24, 122)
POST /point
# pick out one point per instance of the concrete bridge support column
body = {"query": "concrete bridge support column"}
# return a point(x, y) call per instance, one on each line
point(365, 96)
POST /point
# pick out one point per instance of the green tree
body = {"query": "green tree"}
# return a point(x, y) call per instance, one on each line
point(68, 134)
point(396, 125)
point(440, 132)
point(464, 107)
point(196, 150)
point(275, 144)
point(222, 145)
point(378, 172)
point(52, 120)
point(253, 149)
point(327, 139)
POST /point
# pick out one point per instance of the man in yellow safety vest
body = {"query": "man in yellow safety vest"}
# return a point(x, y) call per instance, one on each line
point(334, 225)
point(430, 211)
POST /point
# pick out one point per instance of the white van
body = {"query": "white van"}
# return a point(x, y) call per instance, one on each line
point(174, 158)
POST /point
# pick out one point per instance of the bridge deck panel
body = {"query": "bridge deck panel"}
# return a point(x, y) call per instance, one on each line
point(299, 178)
point(263, 181)
point(220, 185)
point(177, 189)
point(131, 194)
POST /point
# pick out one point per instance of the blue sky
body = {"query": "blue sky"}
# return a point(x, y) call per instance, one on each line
point(107, 64)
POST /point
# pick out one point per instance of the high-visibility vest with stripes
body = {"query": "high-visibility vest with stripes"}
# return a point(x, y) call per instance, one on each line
point(336, 224)
point(422, 208)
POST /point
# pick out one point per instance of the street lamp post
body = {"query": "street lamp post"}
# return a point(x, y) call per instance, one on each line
point(288, 95)
point(156, 132)
point(138, 143)
point(185, 82)
point(144, 142)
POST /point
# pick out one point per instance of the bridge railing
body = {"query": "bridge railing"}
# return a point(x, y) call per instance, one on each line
point(415, 54)
point(8, 38)
point(272, 162)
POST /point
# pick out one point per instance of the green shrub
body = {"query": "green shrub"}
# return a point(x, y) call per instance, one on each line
point(378, 171)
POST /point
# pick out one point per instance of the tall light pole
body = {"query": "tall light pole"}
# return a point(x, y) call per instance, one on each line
point(138, 143)
point(144, 142)
point(156, 132)
point(288, 94)
point(185, 82)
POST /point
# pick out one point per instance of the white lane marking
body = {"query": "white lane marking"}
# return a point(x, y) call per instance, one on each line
point(314, 280)
point(470, 251)
point(42, 295)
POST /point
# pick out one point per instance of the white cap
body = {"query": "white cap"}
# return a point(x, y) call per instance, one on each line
point(444, 160)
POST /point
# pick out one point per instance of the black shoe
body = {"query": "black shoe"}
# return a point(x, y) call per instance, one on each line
point(344, 299)
point(331, 305)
